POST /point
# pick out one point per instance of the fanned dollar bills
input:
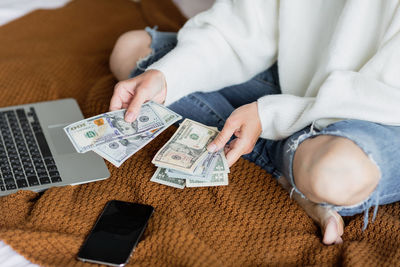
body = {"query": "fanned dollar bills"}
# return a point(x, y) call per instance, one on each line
point(185, 161)
point(116, 140)
point(182, 161)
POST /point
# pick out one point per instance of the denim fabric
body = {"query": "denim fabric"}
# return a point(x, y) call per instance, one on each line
point(162, 43)
point(381, 143)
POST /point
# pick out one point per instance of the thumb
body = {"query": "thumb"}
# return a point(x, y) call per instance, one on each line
point(222, 138)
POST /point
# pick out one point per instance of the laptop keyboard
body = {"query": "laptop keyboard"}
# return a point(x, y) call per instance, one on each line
point(25, 157)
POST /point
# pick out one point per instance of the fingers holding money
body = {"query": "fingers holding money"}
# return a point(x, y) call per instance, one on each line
point(247, 132)
point(231, 126)
point(133, 109)
point(233, 151)
point(239, 146)
point(132, 93)
point(123, 93)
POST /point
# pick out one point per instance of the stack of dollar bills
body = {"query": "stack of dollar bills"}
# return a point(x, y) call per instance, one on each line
point(110, 136)
point(185, 161)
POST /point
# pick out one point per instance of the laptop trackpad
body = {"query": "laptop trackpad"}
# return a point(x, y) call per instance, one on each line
point(60, 140)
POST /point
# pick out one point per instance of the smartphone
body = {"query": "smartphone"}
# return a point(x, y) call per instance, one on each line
point(116, 233)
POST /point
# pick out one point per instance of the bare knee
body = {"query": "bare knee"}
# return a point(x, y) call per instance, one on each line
point(334, 170)
point(129, 48)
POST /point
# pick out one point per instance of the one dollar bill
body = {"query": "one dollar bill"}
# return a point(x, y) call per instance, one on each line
point(161, 177)
point(186, 148)
point(185, 161)
point(217, 179)
point(220, 166)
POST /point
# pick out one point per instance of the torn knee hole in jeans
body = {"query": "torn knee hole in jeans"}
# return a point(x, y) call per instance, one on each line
point(371, 201)
point(295, 143)
point(144, 59)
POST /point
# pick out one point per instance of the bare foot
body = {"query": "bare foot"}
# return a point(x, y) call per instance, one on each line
point(332, 232)
point(330, 221)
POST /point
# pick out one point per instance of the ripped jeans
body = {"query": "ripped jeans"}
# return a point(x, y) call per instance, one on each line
point(381, 143)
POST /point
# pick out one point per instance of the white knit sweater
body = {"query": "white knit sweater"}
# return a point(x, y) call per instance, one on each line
point(337, 59)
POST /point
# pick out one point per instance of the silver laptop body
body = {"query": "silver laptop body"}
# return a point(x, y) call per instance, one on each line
point(45, 122)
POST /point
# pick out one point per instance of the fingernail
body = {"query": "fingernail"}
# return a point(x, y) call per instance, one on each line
point(129, 116)
point(211, 148)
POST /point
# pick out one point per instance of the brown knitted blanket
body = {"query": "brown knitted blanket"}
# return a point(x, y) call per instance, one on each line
point(63, 53)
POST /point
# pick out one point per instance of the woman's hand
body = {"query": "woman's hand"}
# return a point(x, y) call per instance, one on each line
point(245, 124)
point(132, 93)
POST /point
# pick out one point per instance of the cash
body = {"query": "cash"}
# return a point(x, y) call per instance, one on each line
point(220, 165)
point(184, 159)
point(116, 140)
point(186, 148)
point(117, 152)
point(87, 134)
point(218, 179)
point(161, 177)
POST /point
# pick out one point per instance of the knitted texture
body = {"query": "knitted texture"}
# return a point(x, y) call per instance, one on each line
point(63, 53)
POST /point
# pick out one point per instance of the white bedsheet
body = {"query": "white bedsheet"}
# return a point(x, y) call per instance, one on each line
point(10, 258)
point(13, 9)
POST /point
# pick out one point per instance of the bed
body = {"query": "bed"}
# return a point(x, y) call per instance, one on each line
point(63, 52)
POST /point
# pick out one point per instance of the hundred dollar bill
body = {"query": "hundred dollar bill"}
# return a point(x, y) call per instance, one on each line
point(87, 134)
point(118, 151)
point(161, 177)
point(217, 179)
point(186, 148)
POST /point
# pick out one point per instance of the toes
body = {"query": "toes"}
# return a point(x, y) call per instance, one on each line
point(331, 233)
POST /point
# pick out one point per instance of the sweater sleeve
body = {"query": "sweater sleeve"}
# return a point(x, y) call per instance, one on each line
point(371, 94)
point(226, 45)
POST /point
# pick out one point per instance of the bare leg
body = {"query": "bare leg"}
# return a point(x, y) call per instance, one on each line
point(332, 170)
point(129, 48)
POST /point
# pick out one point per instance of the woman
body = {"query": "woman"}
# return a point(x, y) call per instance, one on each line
point(323, 119)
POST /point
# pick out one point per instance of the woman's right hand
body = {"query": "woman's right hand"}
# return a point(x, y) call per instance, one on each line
point(132, 93)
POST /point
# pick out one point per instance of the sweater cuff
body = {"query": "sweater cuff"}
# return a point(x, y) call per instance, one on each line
point(279, 114)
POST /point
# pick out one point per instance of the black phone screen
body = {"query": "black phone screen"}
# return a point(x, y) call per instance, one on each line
point(116, 233)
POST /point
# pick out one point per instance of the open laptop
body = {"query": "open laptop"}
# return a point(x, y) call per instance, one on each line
point(36, 154)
